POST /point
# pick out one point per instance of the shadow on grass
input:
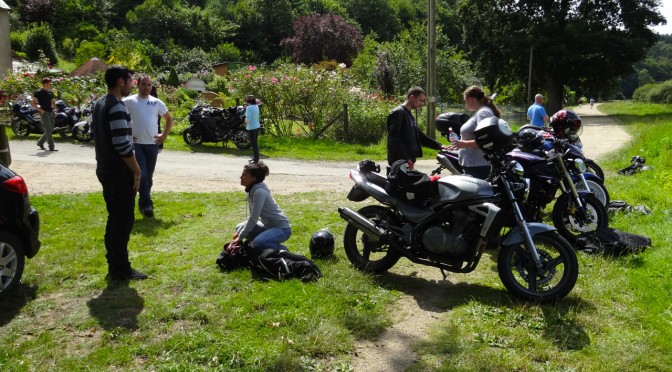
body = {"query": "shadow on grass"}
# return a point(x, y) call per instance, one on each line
point(152, 226)
point(117, 306)
point(11, 305)
point(561, 323)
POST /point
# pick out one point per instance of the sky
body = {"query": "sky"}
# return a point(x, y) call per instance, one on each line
point(666, 11)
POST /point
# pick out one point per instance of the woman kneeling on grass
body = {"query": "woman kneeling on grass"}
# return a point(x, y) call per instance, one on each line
point(266, 226)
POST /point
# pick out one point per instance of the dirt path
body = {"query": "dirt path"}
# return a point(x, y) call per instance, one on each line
point(72, 170)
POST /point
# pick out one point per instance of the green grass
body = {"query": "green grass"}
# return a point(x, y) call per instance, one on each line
point(191, 316)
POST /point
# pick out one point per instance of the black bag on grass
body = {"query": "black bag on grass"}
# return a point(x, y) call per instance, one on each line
point(610, 241)
point(285, 265)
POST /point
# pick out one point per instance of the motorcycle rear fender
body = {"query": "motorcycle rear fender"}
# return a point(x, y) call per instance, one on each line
point(515, 236)
point(450, 162)
point(371, 189)
point(81, 124)
point(357, 195)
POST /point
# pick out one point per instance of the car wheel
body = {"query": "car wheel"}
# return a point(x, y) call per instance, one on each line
point(12, 260)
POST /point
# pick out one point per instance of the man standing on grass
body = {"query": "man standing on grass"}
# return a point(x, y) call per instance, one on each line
point(144, 110)
point(117, 170)
point(536, 113)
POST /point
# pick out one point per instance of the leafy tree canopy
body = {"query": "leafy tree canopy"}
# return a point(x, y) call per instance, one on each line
point(580, 43)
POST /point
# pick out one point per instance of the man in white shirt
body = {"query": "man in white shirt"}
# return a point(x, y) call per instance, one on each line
point(145, 110)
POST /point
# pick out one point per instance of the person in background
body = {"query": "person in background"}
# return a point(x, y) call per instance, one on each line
point(536, 113)
point(155, 94)
point(404, 138)
point(471, 157)
point(43, 102)
point(144, 109)
point(253, 125)
point(117, 170)
point(267, 226)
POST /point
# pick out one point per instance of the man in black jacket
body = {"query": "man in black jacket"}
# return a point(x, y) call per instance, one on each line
point(404, 139)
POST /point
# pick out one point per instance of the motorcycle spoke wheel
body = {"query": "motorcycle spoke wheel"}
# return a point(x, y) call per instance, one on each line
point(556, 278)
point(81, 135)
point(192, 137)
point(365, 253)
point(571, 221)
point(242, 140)
point(20, 127)
point(596, 188)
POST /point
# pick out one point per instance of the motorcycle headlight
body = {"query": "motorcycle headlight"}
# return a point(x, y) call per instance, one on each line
point(580, 165)
point(515, 168)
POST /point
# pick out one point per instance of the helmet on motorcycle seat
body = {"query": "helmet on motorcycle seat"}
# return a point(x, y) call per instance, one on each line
point(566, 123)
point(529, 139)
point(493, 134)
point(60, 105)
point(321, 244)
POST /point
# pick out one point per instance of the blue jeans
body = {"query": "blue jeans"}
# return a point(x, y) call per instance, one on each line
point(263, 238)
point(146, 156)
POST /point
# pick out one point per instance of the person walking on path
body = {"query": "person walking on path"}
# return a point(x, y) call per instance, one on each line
point(253, 126)
point(144, 110)
point(536, 113)
point(43, 102)
point(117, 170)
point(404, 138)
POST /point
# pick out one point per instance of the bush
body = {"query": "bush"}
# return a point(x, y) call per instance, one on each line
point(40, 39)
point(173, 80)
point(88, 50)
point(654, 93)
point(367, 120)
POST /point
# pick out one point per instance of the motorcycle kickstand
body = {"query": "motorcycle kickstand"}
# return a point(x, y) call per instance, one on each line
point(443, 272)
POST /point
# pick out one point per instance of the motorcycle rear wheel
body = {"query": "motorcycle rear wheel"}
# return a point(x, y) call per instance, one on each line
point(520, 276)
point(569, 220)
point(242, 140)
point(192, 136)
point(20, 127)
point(65, 133)
point(365, 253)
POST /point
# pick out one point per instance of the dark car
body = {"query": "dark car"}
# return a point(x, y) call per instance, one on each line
point(19, 229)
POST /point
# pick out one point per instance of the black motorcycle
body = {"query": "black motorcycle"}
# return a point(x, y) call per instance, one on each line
point(212, 124)
point(66, 118)
point(25, 119)
point(460, 217)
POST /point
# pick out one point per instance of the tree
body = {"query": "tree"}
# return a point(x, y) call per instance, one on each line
point(39, 39)
point(586, 45)
point(322, 37)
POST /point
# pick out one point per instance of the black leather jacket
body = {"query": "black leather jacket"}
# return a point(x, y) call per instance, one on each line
point(404, 139)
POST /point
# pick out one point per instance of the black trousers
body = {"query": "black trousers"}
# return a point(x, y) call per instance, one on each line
point(120, 202)
point(254, 140)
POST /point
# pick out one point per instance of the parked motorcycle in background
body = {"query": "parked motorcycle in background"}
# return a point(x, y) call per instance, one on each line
point(213, 124)
point(66, 118)
point(81, 131)
point(25, 119)
point(460, 217)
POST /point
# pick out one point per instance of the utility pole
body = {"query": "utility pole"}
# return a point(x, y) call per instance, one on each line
point(431, 69)
point(529, 79)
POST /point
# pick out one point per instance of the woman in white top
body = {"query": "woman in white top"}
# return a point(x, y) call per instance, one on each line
point(470, 156)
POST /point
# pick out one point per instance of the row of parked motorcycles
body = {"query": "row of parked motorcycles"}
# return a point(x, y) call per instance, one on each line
point(70, 121)
point(462, 215)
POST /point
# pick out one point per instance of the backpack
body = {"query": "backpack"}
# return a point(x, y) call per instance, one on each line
point(610, 241)
point(284, 265)
point(233, 256)
point(409, 184)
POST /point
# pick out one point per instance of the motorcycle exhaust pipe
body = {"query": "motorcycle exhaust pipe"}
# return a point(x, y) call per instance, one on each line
point(362, 223)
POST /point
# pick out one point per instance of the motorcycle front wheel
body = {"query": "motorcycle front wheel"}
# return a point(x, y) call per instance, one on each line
point(242, 139)
point(192, 136)
point(20, 127)
point(553, 281)
point(596, 188)
point(81, 135)
point(571, 221)
point(593, 168)
point(365, 253)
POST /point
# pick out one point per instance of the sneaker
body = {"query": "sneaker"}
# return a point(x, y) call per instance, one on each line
point(41, 146)
point(53, 149)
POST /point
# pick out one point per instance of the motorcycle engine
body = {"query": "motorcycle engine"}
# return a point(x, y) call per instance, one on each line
point(451, 238)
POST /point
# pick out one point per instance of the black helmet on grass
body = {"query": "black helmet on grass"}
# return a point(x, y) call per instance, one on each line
point(321, 244)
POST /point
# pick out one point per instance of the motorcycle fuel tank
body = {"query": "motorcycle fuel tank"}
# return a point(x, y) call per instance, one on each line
point(456, 188)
